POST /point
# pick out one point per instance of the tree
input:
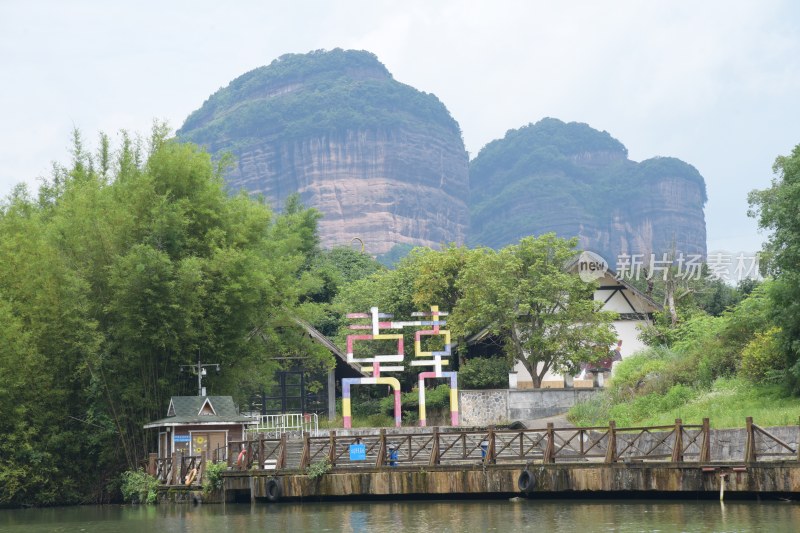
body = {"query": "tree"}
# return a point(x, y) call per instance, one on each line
point(128, 264)
point(546, 316)
point(776, 210)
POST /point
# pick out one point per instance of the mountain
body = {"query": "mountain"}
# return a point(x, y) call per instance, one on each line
point(385, 163)
point(382, 161)
point(576, 181)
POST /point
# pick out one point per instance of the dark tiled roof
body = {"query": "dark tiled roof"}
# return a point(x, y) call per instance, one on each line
point(187, 411)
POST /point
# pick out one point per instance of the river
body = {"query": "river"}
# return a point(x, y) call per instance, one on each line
point(550, 516)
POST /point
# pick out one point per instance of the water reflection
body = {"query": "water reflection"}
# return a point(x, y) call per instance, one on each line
point(422, 516)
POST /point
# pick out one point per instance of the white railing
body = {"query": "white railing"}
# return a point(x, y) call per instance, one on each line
point(294, 425)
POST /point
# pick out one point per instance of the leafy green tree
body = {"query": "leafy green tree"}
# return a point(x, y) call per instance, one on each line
point(127, 265)
point(334, 269)
point(776, 210)
point(546, 316)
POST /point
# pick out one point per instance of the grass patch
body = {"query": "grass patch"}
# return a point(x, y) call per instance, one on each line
point(727, 403)
point(730, 401)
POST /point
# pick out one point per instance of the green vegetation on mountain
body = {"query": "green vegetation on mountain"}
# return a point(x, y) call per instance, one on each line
point(556, 176)
point(300, 96)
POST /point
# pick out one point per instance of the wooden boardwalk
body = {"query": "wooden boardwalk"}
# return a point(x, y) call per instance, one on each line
point(549, 459)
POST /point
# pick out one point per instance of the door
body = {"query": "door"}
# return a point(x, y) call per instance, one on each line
point(200, 444)
point(210, 444)
point(217, 446)
point(163, 445)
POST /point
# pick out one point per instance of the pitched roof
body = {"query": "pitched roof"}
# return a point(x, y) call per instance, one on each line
point(200, 410)
point(343, 367)
point(572, 265)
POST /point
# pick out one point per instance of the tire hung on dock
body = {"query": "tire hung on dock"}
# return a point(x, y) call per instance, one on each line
point(526, 481)
point(274, 490)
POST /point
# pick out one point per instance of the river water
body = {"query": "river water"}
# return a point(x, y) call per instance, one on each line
point(549, 516)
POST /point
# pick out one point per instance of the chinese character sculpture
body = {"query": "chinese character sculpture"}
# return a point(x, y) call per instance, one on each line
point(375, 369)
point(422, 358)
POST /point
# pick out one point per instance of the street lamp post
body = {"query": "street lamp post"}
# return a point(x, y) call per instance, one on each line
point(200, 371)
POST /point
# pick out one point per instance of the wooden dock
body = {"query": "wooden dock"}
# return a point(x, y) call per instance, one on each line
point(443, 462)
point(631, 479)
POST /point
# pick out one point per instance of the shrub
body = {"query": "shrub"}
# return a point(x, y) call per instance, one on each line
point(762, 357)
point(643, 407)
point(139, 487)
point(213, 476)
point(485, 373)
point(318, 468)
point(438, 398)
point(638, 373)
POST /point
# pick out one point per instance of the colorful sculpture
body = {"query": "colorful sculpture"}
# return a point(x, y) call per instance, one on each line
point(437, 363)
point(375, 368)
point(430, 358)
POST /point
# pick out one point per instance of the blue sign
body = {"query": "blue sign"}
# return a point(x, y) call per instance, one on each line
point(181, 438)
point(358, 452)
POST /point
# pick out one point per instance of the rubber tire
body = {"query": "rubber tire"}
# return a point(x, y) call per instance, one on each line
point(274, 490)
point(526, 481)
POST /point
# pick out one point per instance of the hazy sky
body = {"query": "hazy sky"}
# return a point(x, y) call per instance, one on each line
point(715, 83)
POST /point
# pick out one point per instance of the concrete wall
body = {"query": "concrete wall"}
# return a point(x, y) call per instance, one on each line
point(501, 406)
point(541, 403)
point(729, 443)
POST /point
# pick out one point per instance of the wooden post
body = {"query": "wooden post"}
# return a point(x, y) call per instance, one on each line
point(201, 470)
point(331, 395)
point(434, 460)
point(677, 445)
point(177, 468)
point(750, 443)
point(260, 452)
point(332, 449)
point(381, 459)
point(550, 448)
point(306, 457)
point(798, 440)
point(705, 450)
point(611, 452)
point(490, 458)
point(281, 463)
point(229, 459)
point(151, 464)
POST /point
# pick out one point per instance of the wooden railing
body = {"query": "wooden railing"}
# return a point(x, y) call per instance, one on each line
point(177, 469)
point(676, 443)
point(761, 443)
point(261, 453)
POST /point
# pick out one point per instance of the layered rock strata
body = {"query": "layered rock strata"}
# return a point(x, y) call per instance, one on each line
point(383, 162)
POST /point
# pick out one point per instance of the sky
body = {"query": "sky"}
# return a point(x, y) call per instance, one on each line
point(714, 83)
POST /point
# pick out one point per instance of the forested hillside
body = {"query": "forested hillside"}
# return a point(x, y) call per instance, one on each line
point(578, 182)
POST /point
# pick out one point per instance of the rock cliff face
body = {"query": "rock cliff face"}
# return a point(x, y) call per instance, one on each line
point(385, 163)
point(382, 161)
point(577, 181)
